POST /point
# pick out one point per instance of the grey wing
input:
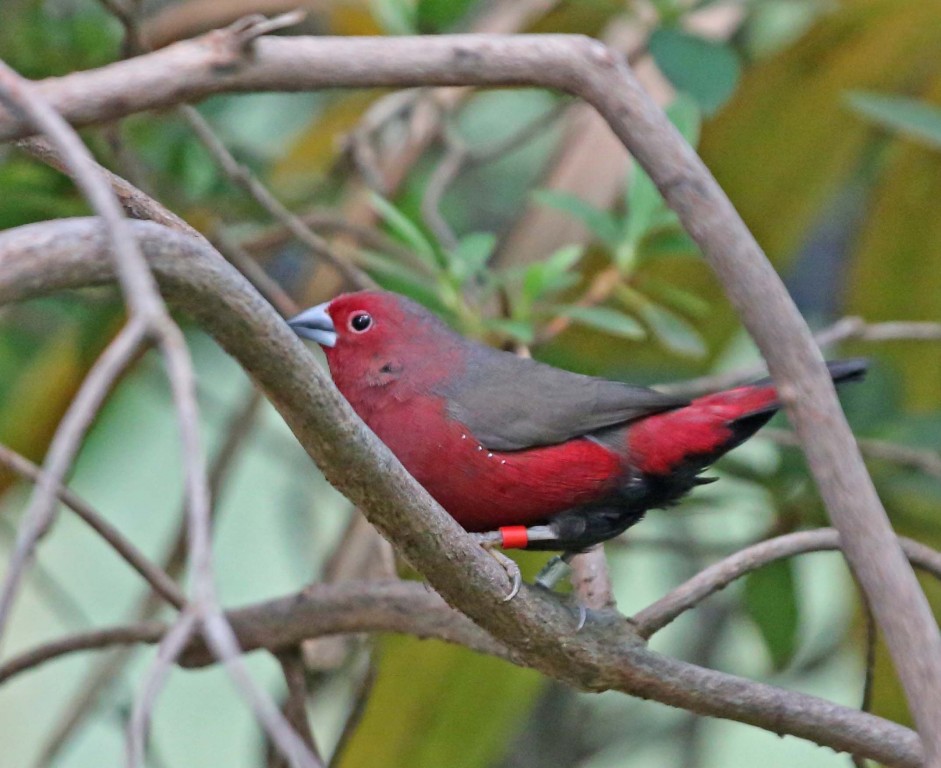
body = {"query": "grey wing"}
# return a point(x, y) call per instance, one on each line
point(511, 403)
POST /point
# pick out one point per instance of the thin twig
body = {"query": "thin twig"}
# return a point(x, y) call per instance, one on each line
point(161, 582)
point(40, 513)
point(357, 711)
point(66, 606)
point(719, 575)
point(244, 178)
point(869, 680)
point(277, 235)
point(75, 642)
point(136, 204)
point(458, 156)
point(167, 652)
point(295, 703)
point(921, 459)
point(845, 329)
point(96, 681)
point(239, 258)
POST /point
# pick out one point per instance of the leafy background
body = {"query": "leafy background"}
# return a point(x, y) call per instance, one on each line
point(821, 121)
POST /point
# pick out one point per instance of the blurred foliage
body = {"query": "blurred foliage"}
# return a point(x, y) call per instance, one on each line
point(820, 119)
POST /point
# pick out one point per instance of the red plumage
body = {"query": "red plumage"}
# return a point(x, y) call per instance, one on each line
point(502, 441)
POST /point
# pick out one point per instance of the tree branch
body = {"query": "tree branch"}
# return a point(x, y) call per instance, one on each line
point(722, 573)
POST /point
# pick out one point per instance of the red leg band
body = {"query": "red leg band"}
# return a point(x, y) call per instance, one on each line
point(514, 537)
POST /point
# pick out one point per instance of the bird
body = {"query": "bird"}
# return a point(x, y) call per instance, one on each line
point(520, 453)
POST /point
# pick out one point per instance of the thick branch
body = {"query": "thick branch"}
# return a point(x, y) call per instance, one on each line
point(45, 258)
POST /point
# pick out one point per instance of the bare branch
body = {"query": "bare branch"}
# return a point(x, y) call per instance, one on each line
point(167, 652)
point(921, 459)
point(161, 582)
point(136, 203)
point(295, 705)
point(321, 610)
point(244, 178)
point(591, 579)
point(40, 513)
point(845, 329)
point(92, 640)
point(719, 575)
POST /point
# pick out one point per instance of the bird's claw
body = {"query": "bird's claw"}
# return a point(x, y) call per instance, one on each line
point(582, 616)
point(490, 540)
point(512, 570)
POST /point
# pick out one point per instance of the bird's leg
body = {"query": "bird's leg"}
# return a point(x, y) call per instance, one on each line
point(517, 537)
point(555, 570)
point(489, 541)
point(558, 568)
point(520, 537)
point(513, 537)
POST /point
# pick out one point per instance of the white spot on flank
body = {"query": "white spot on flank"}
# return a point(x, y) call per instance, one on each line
point(463, 437)
point(503, 461)
point(489, 455)
point(480, 447)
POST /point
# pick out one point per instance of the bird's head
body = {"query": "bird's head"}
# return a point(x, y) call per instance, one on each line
point(372, 338)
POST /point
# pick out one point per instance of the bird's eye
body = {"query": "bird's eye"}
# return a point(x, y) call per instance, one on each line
point(360, 322)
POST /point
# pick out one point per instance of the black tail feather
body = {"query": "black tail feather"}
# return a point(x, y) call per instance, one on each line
point(841, 371)
point(851, 369)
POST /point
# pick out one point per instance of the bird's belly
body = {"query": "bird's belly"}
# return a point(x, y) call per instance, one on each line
point(483, 489)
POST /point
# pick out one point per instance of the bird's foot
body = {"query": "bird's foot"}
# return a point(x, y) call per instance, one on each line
point(516, 537)
point(489, 541)
point(582, 615)
point(552, 573)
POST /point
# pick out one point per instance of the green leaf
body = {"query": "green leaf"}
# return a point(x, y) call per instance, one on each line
point(918, 120)
point(395, 276)
point(396, 17)
point(520, 330)
point(686, 115)
point(706, 70)
point(605, 319)
point(644, 205)
point(562, 260)
point(406, 230)
point(666, 243)
point(771, 602)
point(471, 255)
point(440, 15)
point(673, 331)
point(426, 694)
point(600, 223)
point(677, 298)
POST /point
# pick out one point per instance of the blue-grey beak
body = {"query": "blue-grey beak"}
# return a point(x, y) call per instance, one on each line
point(315, 324)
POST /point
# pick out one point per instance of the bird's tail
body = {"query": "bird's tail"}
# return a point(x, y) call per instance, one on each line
point(692, 437)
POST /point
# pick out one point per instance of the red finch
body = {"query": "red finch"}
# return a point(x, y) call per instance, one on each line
point(550, 459)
